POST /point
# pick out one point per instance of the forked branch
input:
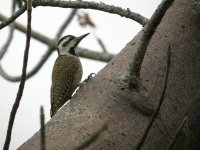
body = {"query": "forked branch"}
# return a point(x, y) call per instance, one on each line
point(13, 17)
point(148, 31)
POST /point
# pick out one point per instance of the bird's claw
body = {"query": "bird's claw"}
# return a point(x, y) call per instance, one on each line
point(87, 79)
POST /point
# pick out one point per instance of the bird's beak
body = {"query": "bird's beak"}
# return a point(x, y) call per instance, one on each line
point(81, 37)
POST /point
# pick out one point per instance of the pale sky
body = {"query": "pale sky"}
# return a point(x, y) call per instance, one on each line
point(114, 30)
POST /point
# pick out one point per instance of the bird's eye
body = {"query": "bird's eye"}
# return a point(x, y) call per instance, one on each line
point(64, 44)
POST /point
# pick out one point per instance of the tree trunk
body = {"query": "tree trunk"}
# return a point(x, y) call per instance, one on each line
point(127, 113)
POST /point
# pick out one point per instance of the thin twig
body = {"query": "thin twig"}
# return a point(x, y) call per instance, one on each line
point(93, 138)
point(8, 41)
point(177, 133)
point(36, 35)
point(31, 73)
point(148, 31)
point(143, 138)
point(85, 20)
point(66, 23)
point(13, 17)
point(42, 129)
point(10, 35)
point(102, 45)
point(23, 79)
point(93, 5)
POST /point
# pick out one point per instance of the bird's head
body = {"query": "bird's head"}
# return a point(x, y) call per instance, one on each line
point(68, 43)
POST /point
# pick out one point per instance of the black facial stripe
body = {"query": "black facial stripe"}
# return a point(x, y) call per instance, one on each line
point(66, 42)
point(72, 49)
point(64, 37)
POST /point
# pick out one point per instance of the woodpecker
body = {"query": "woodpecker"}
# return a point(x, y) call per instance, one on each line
point(67, 72)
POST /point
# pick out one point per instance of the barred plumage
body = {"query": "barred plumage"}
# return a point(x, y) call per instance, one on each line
point(66, 75)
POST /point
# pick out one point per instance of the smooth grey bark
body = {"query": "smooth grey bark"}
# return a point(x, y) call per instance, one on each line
point(102, 100)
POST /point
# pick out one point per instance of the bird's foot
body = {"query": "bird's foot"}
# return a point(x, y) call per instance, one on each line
point(87, 79)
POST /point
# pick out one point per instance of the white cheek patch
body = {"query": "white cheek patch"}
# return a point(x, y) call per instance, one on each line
point(62, 51)
point(65, 50)
point(71, 44)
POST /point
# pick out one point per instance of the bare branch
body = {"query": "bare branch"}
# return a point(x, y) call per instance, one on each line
point(93, 5)
point(13, 17)
point(143, 138)
point(105, 57)
point(93, 138)
point(10, 36)
point(42, 129)
point(148, 31)
point(23, 79)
